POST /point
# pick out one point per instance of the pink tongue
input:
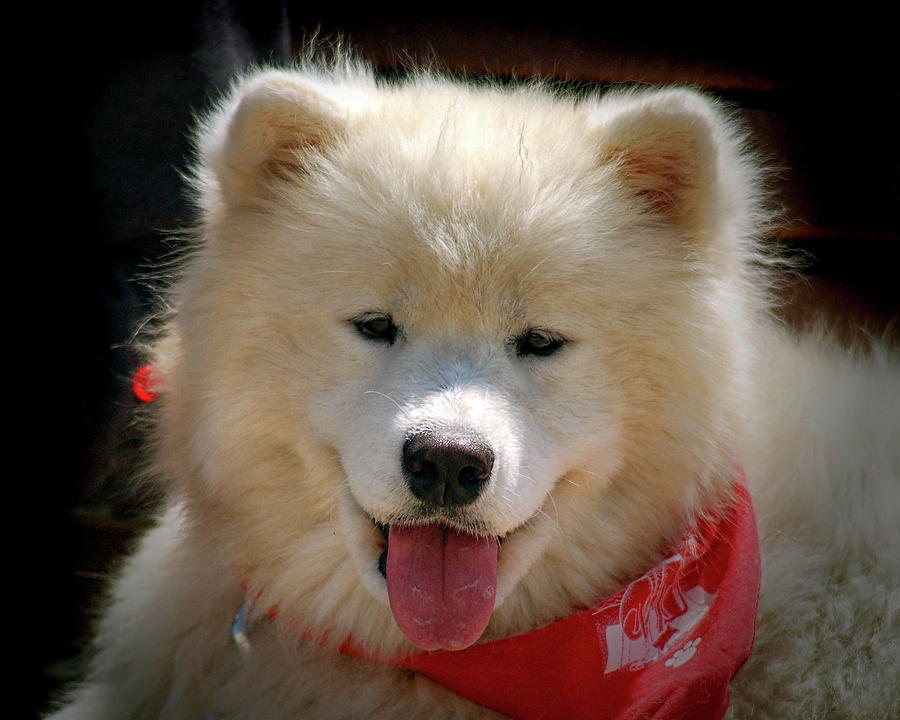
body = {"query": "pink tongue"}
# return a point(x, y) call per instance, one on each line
point(441, 584)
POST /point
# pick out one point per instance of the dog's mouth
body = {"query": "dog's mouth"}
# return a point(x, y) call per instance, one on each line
point(441, 582)
point(441, 577)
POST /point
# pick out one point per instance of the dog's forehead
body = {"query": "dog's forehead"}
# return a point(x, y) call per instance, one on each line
point(494, 212)
point(468, 213)
point(464, 255)
point(484, 282)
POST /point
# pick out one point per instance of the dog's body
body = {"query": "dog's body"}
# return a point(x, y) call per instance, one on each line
point(487, 313)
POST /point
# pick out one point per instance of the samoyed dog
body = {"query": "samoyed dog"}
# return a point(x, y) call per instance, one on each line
point(470, 404)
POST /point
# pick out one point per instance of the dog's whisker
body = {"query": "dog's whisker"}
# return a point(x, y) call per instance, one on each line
point(555, 509)
point(386, 397)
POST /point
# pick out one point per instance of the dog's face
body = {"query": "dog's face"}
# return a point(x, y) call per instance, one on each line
point(467, 380)
point(439, 308)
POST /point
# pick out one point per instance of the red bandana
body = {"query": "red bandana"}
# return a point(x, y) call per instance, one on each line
point(664, 647)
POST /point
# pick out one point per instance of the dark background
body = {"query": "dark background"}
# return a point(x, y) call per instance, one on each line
point(105, 102)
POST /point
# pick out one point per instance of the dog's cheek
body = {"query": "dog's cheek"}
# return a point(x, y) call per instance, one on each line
point(580, 425)
point(368, 442)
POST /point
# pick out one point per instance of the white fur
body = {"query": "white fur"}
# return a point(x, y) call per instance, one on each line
point(628, 224)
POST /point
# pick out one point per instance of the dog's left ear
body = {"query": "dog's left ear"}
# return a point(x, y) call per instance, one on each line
point(666, 147)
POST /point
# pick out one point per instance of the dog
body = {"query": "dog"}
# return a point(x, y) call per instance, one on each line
point(469, 402)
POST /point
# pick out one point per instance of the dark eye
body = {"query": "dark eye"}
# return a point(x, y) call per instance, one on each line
point(376, 327)
point(539, 342)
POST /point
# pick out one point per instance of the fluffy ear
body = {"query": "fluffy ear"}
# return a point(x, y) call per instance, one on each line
point(269, 128)
point(666, 147)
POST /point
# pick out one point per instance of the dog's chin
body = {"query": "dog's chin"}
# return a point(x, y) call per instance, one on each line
point(367, 543)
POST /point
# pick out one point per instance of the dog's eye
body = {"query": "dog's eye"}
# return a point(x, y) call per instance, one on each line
point(539, 342)
point(376, 327)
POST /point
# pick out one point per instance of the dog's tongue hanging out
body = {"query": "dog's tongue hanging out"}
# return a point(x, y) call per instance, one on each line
point(441, 584)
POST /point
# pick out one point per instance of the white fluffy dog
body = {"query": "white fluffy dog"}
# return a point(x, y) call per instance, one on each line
point(456, 398)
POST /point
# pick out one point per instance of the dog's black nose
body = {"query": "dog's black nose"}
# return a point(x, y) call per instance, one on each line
point(448, 469)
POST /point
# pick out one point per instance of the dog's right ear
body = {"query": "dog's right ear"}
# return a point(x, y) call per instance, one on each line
point(271, 127)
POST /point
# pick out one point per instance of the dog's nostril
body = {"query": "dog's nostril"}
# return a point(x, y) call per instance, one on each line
point(446, 469)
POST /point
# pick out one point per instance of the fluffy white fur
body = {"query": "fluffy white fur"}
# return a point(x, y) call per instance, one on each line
point(628, 224)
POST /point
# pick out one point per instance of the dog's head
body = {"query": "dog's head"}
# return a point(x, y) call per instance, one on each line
point(472, 328)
